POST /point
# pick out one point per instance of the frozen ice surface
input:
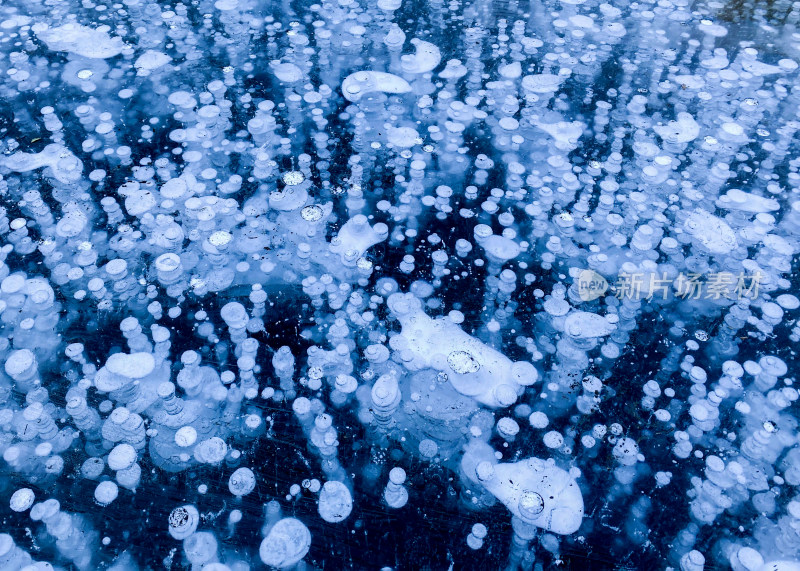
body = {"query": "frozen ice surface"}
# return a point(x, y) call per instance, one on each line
point(399, 285)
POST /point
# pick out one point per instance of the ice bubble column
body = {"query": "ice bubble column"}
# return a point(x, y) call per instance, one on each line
point(787, 540)
point(324, 439)
point(74, 538)
point(395, 494)
point(11, 555)
point(23, 368)
point(286, 543)
point(130, 379)
point(385, 398)
point(582, 330)
point(283, 363)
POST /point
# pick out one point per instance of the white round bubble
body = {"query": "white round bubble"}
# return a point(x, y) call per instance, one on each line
point(121, 457)
point(183, 521)
point(242, 482)
point(463, 363)
point(106, 492)
point(335, 502)
point(22, 500)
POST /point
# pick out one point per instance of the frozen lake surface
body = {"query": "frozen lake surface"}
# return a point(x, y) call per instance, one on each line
point(399, 285)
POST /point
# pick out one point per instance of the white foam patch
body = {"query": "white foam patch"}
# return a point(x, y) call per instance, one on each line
point(81, 40)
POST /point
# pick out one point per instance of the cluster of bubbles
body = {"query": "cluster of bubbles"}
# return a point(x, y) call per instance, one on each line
point(279, 280)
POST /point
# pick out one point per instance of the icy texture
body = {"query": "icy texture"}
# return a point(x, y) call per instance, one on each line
point(394, 284)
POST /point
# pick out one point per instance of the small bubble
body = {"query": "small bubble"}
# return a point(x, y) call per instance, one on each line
point(293, 178)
